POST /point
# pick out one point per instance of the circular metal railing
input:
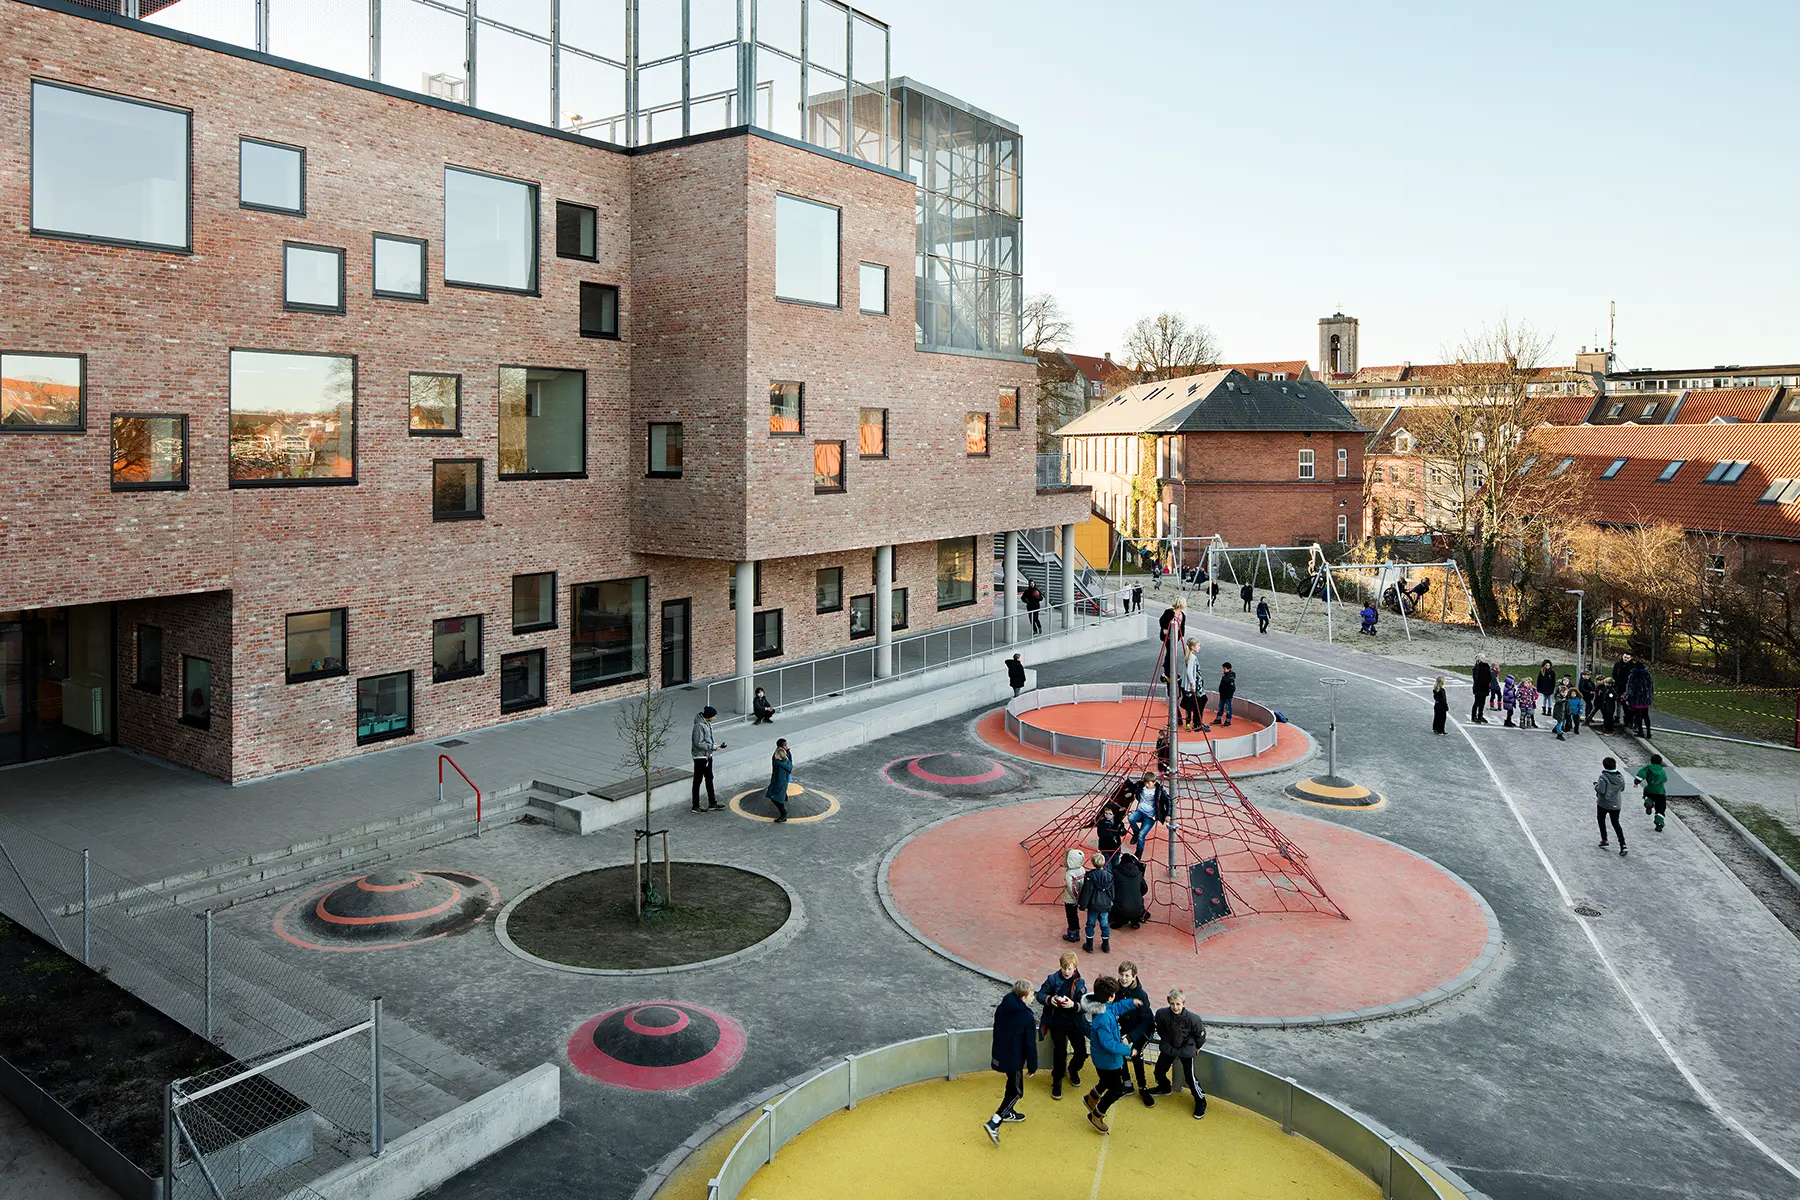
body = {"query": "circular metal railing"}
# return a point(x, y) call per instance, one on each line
point(1108, 752)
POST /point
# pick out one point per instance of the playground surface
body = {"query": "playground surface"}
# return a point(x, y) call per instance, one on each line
point(1094, 719)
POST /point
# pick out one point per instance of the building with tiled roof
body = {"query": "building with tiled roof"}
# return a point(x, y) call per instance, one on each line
point(1273, 371)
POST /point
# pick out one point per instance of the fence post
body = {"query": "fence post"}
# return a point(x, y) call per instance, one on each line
point(168, 1140)
point(377, 1134)
point(209, 975)
point(769, 1112)
point(1287, 1109)
point(950, 1054)
point(1387, 1182)
point(850, 1080)
point(86, 960)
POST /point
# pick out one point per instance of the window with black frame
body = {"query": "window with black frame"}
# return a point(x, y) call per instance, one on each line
point(522, 681)
point(862, 615)
point(577, 231)
point(315, 644)
point(149, 452)
point(828, 467)
point(787, 409)
point(312, 278)
point(399, 267)
point(956, 572)
point(534, 602)
point(148, 675)
point(806, 251)
point(731, 586)
point(435, 401)
point(271, 176)
point(666, 448)
point(975, 435)
point(609, 632)
point(543, 423)
point(1009, 408)
point(490, 232)
point(293, 418)
point(43, 393)
point(383, 707)
point(456, 489)
point(599, 310)
point(196, 692)
point(455, 648)
point(829, 586)
point(766, 633)
point(898, 620)
point(109, 169)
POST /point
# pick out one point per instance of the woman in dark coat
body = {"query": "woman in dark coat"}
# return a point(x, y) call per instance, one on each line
point(1440, 706)
point(1129, 890)
point(1640, 694)
point(1015, 1053)
point(1546, 685)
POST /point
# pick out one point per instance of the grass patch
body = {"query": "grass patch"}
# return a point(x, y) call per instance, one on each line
point(1773, 832)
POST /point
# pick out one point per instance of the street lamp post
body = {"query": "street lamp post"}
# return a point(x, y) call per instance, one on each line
point(1331, 686)
point(1580, 628)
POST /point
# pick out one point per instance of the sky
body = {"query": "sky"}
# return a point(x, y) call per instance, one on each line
point(1429, 168)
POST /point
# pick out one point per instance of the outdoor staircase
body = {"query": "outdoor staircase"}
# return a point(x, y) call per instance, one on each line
point(1040, 563)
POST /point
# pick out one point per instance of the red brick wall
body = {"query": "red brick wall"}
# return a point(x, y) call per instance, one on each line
point(197, 626)
point(1246, 487)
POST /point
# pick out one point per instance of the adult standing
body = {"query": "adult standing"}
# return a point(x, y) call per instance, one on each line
point(1034, 599)
point(1440, 706)
point(704, 744)
point(1246, 594)
point(1484, 682)
point(781, 773)
point(1137, 597)
point(1015, 674)
point(1621, 671)
point(1181, 1033)
point(1060, 997)
point(1546, 685)
point(1640, 694)
point(1262, 615)
point(1014, 1054)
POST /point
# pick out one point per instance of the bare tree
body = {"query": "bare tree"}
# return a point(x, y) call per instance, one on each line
point(1168, 345)
point(1043, 324)
point(643, 723)
point(1060, 397)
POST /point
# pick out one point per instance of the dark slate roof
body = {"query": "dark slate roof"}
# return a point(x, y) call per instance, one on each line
point(1216, 402)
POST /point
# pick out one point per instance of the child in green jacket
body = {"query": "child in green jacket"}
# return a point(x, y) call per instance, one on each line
point(1653, 777)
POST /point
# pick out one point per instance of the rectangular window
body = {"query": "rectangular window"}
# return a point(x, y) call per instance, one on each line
point(955, 572)
point(293, 418)
point(766, 633)
point(522, 681)
point(665, 449)
point(1614, 411)
point(787, 409)
point(1649, 411)
point(108, 169)
point(399, 267)
point(872, 432)
point(383, 707)
point(599, 310)
point(873, 287)
point(828, 584)
point(148, 660)
point(828, 467)
point(315, 644)
point(149, 453)
point(1306, 464)
point(456, 489)
point(577, 231)
point(490, 232)
point(898, 596)
point(196, 692)
point(975, 435)
point(534, 602)
point(731, 592)
point(1343, 529)
point(455, 648)
point(43, 393)
point(1617, 465)
point(543, 423)
point(806, 251)
point(1668, 472)
point(1562, 466)
point(1343, 464)
point(312, 278)
point(862, 615)
point(271, 176)
point(1734, 472)
point(436, 402)
point(609, 633)
point(1009, 408)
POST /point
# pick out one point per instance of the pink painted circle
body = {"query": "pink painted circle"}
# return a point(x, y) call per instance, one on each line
point(656, 1046)
point(955, 774)
point(1413, 926)
point(310, 921)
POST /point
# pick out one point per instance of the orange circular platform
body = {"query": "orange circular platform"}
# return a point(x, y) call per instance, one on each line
point(1416, 933)
point(1291, 742)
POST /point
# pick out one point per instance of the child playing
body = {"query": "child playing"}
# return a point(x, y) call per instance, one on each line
point(1575, 707)
point(1654, 779)
point(1528, 704)
point(1509, 699)
point(1560, 711)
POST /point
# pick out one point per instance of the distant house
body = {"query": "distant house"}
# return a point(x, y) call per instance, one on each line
point(1070, 384)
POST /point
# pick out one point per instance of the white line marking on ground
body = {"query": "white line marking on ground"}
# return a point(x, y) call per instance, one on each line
point(1668, 1049)
point(1099, 1168)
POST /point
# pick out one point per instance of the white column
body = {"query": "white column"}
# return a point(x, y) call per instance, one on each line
point(884, 611)
point(1009, 574)
point(1068, 564)
point(746, 635)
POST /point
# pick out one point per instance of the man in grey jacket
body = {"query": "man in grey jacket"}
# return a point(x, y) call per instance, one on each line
point(1181, 1034)
point(704, 745)
point(1609, 793)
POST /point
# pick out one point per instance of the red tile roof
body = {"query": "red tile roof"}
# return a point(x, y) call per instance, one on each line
point(1733, 404)
point(1633, 497)
point(1568, 410)
point(1102, 369)
point(1291, 369)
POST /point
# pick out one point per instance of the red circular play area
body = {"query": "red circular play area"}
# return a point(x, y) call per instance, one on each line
point(1087, 729)
point(1412, 928)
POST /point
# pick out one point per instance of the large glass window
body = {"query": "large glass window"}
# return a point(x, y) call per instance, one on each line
point(787, 409)
point(872, 432)
point(599, 310)
point(271, 176)
point(975, 434)
point(383, 707)
point(665, 449)
point(312, 278)
point(456, 489)
point(576, 226)
point(898, 604)
point(455, 648)
point(436, 403)
point(108, 169)
point(45, 393)
point(956, 572)
point(828, 583)
point(534, 602)
point(293, 418)
point(196, 692)
point(522, 681)
point(766, 633)
point(1009, 408)
point(399, 267)
point(873, 281)
point(490, 231)
point(862, 615)
point(806, 251)
point(828, 467)
point(148, 659)
point(149, 453)
point(609, 633)
point(315, 644)
point(543, 423)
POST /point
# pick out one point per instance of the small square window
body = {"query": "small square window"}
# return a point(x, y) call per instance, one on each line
point(522, 681)
point(898, 596)
point(271, 177)
point(862, 615)
point(828, 467)
point(787, 409)
point(383, 707)
point(196, 692)
point(312, 278)
point(872, 433)
point(436, 402)
point(315, 645)
point(149, 453)
point(148, 656)
point(534, 602)
point(456, 489)
point(665, 449)
point(455, 648)
point(1009, 408)
point(577, 228)
point(829, 587)
point(874, 284)
point(766, 630)
point(975, 434)
point(399, 267)
point(43, 393)
point(599, 310)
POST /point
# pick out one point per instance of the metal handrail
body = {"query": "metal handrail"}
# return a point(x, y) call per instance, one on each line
point(445, 758)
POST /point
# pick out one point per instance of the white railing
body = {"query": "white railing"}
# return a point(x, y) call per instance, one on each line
point(1108, 751)
point(1373, 1151)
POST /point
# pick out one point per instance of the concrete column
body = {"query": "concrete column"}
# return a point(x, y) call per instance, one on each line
point(1009, 574)
point(884, 611)
point(1068, 562)
point(746, 635)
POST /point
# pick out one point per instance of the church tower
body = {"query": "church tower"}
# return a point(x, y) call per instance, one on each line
point(1337, 345)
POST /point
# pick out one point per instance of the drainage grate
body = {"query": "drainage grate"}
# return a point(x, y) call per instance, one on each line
point(1588, 910)
point(453, 742)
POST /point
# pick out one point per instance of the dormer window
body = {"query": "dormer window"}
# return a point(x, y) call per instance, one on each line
point(1649, 411)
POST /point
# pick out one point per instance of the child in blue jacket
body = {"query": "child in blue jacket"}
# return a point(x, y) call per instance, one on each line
point(1107, 1047)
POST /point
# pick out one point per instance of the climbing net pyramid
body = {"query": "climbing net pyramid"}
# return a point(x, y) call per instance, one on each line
point(1218, 843)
